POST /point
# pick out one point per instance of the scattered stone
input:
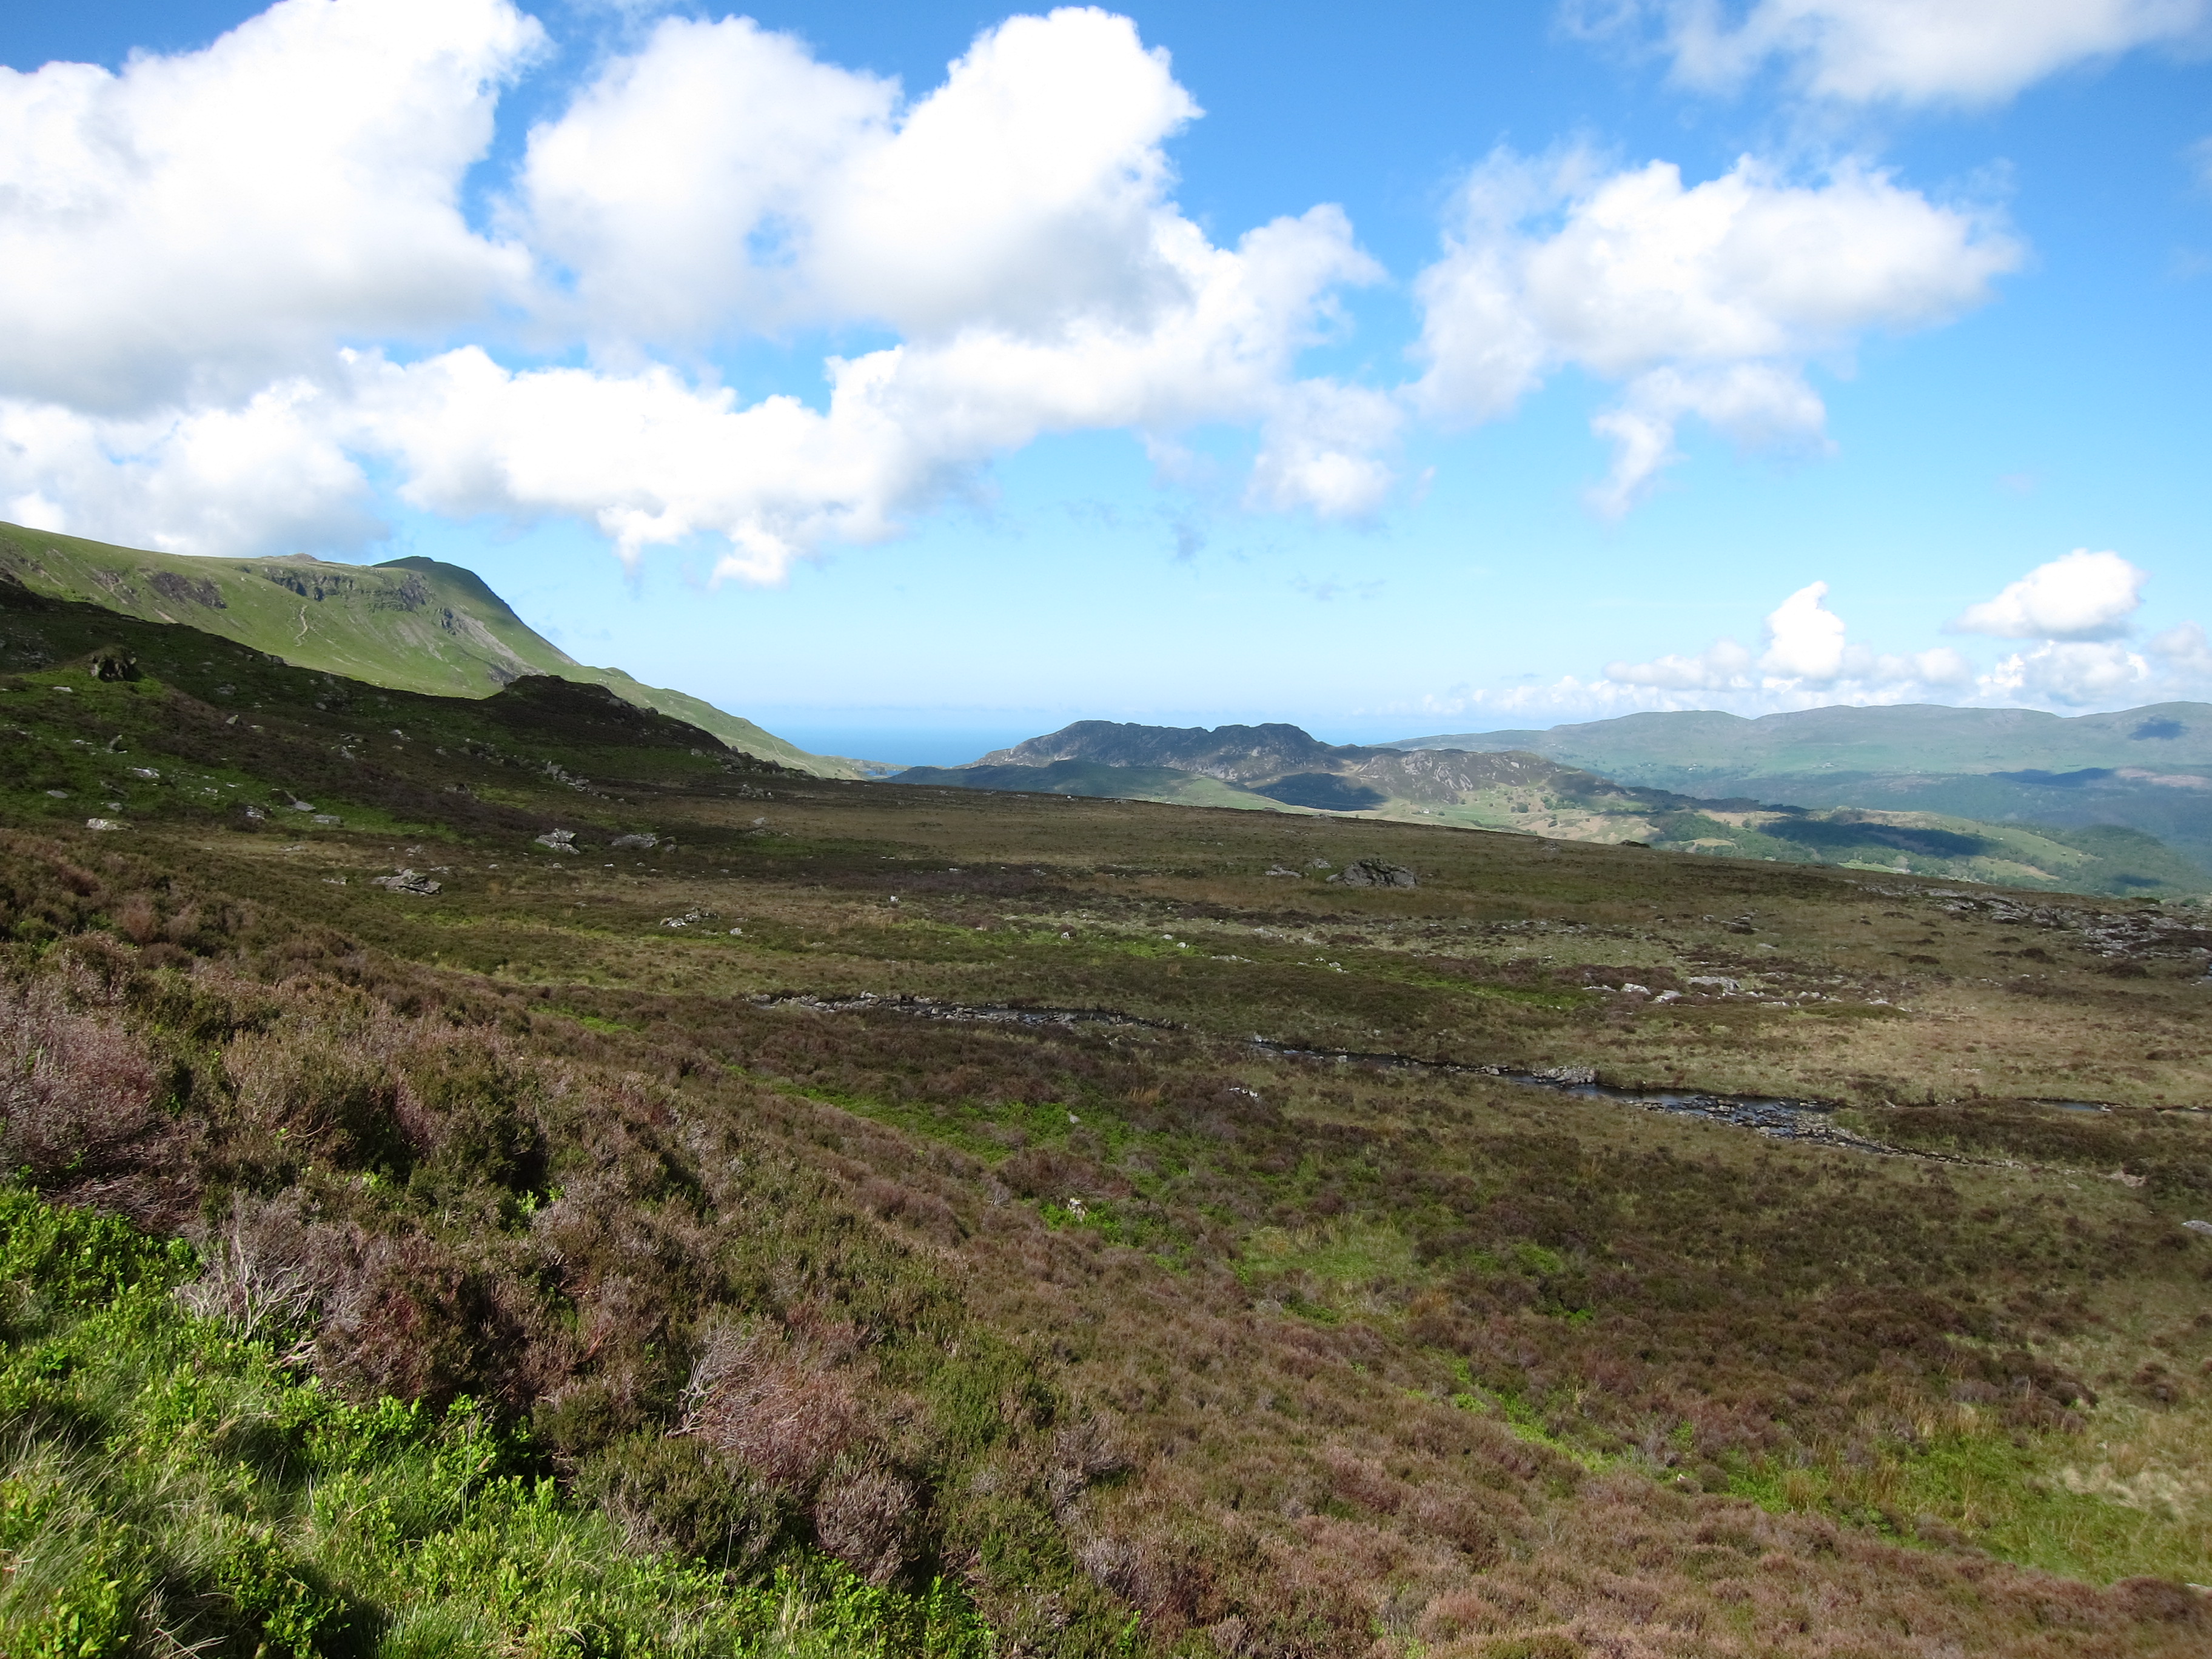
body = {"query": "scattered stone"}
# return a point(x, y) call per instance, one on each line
point(144, 772)
point(1727, 987)
point(1319, 864)
point(1375, 872)
point(1572, 1076)
point(102, 823)
point(1634, 990)
point(406, 881)
point(558, 841)
point(694, 915)
point(58, 795)
point(256, 815)
point(328, 818)
point(648, 842)
point(1278, 870)
point(2199, 1226)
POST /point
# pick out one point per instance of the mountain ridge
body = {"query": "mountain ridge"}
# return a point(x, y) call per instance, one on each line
point(411, 623)
point(1281, 768)
point(2148, 768)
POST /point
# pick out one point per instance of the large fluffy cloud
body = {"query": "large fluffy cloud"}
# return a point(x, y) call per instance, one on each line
point(268, 475)
point(652, 459)
point(2083, 595)
point(1706, 300)
point(250, 238)
point(197, 226)
point(722, 177)
point(1913, 51)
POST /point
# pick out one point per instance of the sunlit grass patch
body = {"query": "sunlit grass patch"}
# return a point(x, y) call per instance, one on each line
point(165, 1481)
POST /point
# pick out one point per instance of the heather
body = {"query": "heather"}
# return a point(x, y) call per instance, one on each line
point(866, 1209)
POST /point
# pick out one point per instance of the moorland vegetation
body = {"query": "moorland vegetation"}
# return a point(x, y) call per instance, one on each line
point(516, 1176)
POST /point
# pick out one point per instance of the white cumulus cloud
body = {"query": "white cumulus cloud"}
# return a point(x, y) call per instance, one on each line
point(1807, 649)
point(2083, 596)
point(1906, 51)
point(268, 476)
point(196, 226)
point(262, 244)
point(2071, 672)
point(2186, 652)
point(651, 458)
point(1706, 300)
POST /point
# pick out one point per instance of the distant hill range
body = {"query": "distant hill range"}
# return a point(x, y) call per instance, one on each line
point(1283, 769)
point(412, 624)
point(2147, 769)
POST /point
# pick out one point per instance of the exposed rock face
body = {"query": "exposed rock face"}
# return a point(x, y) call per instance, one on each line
point(1375, 872)
point(185, 589)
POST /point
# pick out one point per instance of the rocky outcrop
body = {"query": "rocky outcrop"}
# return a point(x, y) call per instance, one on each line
point(1375, 872)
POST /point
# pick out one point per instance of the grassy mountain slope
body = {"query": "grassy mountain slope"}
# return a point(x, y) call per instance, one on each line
point(1282, 769)
point(865, 1188)
point(1672, 750)
point(412, 623)
point(2148, 769)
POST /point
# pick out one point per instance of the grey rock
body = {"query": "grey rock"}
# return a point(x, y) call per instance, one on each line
point(102, 823)
point(623, 842)
point(2199, 1226)
point(1727, 987)
point(1376, 872)
point(558, 841)
point(694, 915)
point(406, 881)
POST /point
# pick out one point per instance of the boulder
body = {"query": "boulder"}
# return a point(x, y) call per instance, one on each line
point(406, 881)
point(1375, 872)
point(645, 842)
point(558, 841)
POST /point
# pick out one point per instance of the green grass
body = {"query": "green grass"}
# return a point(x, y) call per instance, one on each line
point(413, 624)
point(165, 1478)
point(1996, 1488)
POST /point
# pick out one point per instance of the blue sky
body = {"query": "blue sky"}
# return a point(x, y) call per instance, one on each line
point(1455, 368)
